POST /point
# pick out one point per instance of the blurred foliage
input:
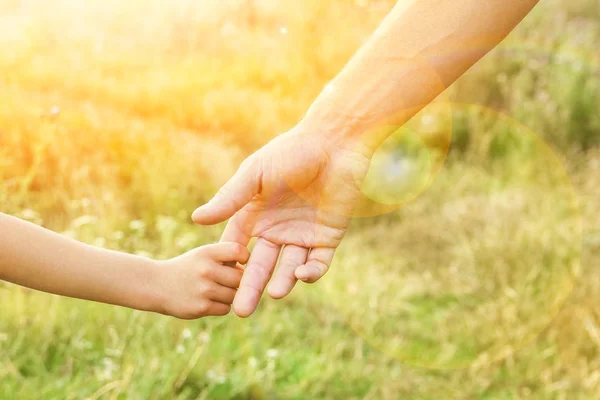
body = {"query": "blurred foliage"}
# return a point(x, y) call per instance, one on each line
point(118, 118)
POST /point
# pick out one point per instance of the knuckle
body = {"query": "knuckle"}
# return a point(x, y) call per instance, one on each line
point(205, 290)
point(240, 251)
point(237, 248)
point(198, 252)
point(206, 272)
point(202, 308)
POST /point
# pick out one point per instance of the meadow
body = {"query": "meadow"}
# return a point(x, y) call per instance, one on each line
point(118, 118)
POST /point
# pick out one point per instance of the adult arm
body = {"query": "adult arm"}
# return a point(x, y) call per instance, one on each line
point(420, 48)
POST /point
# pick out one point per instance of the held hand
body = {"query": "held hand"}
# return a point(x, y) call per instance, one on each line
point(198, 284)
point(299, 191)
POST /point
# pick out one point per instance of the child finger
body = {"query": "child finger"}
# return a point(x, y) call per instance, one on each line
point(228, 276)
point(226, 252)
point(222, 294)
point(216, 309)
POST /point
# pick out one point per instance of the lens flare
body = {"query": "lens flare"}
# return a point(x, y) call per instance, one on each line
point(463, 276)
point(407, 162)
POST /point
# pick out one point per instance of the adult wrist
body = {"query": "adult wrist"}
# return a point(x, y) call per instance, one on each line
point(340, 131)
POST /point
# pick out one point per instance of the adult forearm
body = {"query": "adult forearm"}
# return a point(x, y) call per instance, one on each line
point(40, 259)
point(418, 51)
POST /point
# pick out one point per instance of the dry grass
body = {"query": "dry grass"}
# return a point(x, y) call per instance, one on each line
point(118, 118)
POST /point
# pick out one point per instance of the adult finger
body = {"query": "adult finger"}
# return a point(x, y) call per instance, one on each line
point(256, 276)
point(234, 195)
point(284, 280)
point(317, 265)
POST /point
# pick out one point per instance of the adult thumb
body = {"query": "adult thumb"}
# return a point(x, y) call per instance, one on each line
point(234, 195)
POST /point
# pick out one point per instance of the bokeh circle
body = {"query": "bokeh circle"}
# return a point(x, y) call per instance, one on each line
point(476, 268)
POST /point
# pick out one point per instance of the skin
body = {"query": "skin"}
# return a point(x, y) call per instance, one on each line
point(298, 193)
point(194, 285)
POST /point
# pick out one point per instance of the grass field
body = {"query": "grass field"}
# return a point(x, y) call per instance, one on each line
point(118, 118)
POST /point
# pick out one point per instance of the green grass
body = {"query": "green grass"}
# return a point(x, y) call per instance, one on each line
point(114, 116)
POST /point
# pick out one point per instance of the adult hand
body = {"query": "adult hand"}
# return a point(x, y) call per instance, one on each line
point(297, 195)
point(301, 189)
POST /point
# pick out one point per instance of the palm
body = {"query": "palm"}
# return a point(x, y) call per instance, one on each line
point(306, 197)
point(299, 195)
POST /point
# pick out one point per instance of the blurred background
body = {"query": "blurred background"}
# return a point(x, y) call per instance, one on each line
point(118, 118)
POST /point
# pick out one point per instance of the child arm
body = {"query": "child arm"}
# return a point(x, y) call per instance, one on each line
point(37, 258)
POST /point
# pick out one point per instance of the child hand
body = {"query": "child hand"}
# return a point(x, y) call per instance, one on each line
point(198, 284)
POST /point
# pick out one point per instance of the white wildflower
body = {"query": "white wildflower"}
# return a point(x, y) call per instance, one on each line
point(137, 225)
point(186, 241)
point(215, 377)
point(29, 214)
point(118, 235)
point(204, 337)
point(186, 334)
point(109, 368)
point(166, 224)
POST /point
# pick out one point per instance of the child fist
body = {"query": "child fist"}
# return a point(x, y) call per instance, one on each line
point(199, 284)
